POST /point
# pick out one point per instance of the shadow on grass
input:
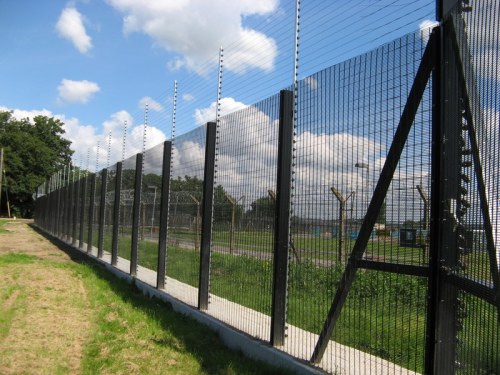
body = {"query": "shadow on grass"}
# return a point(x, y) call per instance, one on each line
point(187, 335)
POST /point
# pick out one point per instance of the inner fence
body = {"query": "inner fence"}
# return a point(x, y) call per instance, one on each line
point(350, 220)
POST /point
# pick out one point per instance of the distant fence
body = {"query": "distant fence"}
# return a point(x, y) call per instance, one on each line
point(350, 220)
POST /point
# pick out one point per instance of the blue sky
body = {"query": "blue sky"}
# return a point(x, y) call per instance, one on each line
point(94, 63)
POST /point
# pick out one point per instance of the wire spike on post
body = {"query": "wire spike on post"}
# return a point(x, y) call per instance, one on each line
point(144, 134)
point(174, 112)
point(108, 161)
point(296, 43)
point(97, 157)
point(219, 86)
point(124, 140)
point(88, 162)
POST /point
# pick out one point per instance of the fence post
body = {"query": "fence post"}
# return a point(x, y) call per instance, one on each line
point(83, 197)
point(206, 224)
point(102, 212)
point(136, 214)
point(442, 321)
point(116, 213)
point(282, 219)
point(165, 199)
point(76, 208)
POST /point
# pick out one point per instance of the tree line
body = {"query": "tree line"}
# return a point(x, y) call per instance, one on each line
point(33, 151)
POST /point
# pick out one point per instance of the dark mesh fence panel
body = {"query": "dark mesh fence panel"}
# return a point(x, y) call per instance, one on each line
point(244, 209)
point(108, 212)
point(347, 117)
point(126, 208)
point(186, 198)
point(95, 216)
point(150, 209)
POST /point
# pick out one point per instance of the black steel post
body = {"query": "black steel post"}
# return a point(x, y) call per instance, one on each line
point(206, 224)
point(116, 214)
point(446, 232)
point(83, 198)
point(136, 214)
point(90, 219)
point(435, 215)
point(102, 212)
point(165, 198)
point(282, 219)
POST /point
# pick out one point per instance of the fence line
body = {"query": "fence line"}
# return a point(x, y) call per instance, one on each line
point(349, 220)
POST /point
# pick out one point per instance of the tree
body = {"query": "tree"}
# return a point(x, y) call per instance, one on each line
point(33, 152)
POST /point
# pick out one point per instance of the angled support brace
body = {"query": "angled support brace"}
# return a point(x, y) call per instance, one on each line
point(393, 156)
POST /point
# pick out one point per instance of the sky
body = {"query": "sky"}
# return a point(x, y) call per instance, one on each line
point(95, 64)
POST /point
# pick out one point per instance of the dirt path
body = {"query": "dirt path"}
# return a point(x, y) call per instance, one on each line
point(44, 309)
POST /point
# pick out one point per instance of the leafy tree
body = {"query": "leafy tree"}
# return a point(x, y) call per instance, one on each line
point(33, 152)
point(263, 207)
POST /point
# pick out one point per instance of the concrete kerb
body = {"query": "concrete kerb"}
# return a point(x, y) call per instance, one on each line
point(232, 338)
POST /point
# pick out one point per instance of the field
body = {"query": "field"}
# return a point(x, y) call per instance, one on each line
point(63, 316)
point(384, 315)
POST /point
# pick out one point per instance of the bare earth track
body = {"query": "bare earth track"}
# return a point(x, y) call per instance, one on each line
point(42, 334)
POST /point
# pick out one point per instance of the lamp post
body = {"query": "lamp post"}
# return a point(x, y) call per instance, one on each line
point(153, 211)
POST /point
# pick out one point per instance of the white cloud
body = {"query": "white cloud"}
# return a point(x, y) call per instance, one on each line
point(152, 104)
point(187, 97)
point(195, 29)
point(70, 26)
point(312, 83)
point(76, 91)
point(23, 114)
point(228, 105)
point(427, 24)
point(85, 137)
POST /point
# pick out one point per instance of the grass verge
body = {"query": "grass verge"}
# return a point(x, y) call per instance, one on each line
point(125, 332)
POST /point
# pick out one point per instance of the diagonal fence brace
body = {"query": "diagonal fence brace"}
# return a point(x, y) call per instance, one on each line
point(393, 156)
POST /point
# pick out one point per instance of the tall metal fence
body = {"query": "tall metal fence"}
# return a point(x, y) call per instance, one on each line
point(351, 220)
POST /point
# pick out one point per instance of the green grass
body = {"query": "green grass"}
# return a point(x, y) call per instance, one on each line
point(384, 314)
point(134, 334)
point(2, 225)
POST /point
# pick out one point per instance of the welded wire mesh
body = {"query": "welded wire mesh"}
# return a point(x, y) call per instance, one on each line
point(85, 206)
point(109, 211)
point(95, 214)
point(126, 207)
point(184, 226)
point(346, 120)
point(243, 218)
point(150, 208)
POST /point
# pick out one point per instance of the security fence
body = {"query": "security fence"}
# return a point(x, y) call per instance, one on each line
point(351, 220)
